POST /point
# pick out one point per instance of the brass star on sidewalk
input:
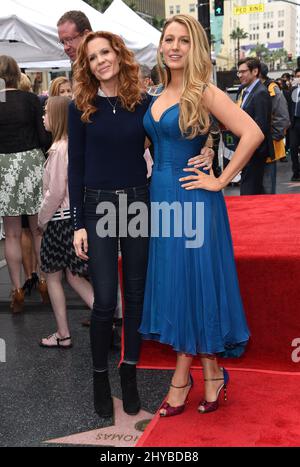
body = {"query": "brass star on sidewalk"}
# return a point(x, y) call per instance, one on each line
point(125, 432)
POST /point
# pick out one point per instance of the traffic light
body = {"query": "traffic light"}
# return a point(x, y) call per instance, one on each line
point(219, 7)
point(290, 57)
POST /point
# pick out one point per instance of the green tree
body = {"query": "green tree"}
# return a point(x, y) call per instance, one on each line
point(102, 5)
point(99, 5)
point(279, 55)
point(158, 22)
point(237, 35)
point(262, 52)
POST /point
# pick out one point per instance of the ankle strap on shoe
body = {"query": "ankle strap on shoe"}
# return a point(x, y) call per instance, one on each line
point(213, 379)
point(179, 387)
point(61, 339)
point(189, 383)
point(217, 379)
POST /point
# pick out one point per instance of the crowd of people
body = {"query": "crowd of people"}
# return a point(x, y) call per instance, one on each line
point(74, 162)
point(274, 106)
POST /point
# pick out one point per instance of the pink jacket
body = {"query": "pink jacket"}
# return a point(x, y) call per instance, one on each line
point(55, 185)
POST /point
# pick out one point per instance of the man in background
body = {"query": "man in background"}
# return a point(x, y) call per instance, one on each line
point(72, 27)
point(255, 100)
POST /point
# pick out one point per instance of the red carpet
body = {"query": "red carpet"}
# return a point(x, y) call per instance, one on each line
point(266, 237)
point(262, 410)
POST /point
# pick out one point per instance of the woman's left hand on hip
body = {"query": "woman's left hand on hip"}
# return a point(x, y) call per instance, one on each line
point(200, 180)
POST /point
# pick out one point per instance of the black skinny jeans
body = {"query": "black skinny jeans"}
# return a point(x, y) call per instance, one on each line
point(103, 267)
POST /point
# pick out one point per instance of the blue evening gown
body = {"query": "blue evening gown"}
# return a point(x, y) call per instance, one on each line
point(192, 298)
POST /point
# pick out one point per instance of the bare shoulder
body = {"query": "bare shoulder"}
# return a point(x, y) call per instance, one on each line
point(212, 93)
point(226, 111)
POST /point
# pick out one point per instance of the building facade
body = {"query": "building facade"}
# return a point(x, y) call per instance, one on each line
point(276, 27)
point(298, 33)
point(151, 7)
point(175, 7)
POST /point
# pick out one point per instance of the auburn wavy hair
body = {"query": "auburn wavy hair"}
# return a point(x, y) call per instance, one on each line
point(86, 84)
point(194, 117)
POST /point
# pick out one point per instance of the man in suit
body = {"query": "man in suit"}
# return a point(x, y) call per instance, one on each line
point(295, 126)
point(254, 99)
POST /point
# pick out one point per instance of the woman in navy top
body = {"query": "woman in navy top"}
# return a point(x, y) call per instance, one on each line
point(107, 176)
point(107, 173)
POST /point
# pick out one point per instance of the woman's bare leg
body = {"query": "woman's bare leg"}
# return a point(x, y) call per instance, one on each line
point(12, 248)
point(58, 302)
point(211, 370)
point(36, 236)
point(27, 252)
point(82, 287)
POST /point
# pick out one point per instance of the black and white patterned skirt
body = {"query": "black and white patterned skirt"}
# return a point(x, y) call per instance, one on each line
point(57, 250)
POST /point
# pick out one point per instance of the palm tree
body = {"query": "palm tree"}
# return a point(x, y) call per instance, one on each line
point(236, 35)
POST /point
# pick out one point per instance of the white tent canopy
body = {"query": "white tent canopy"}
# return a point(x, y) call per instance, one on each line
point(28, 32)
point(34, 38)
point(120, 13)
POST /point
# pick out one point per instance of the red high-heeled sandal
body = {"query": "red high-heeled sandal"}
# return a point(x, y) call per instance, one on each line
point(205, 406)
point(172, 411)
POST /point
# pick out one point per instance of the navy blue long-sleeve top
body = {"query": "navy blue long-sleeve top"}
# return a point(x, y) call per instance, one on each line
point(106, 153)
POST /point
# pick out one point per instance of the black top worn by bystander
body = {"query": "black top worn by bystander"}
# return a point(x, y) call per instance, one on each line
point(21, 124)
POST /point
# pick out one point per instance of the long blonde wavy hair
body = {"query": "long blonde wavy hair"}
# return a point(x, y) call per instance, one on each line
point(86, 84)
point(194, 117)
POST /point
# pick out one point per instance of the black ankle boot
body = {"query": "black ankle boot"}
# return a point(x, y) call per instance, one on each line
point(103, 402)
point(131, 399)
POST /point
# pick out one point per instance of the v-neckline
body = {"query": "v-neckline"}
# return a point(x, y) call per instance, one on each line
point(163, 113)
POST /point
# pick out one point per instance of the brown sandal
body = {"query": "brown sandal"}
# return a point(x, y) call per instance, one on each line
point(17, 301)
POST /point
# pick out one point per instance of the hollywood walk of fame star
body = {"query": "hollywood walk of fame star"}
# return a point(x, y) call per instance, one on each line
point(124, 433)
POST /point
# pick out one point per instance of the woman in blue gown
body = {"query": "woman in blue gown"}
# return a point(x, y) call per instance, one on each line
point(192, 300)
